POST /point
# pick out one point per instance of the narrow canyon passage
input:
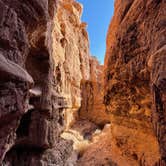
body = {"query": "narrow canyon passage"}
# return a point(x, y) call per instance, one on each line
point(60, 107)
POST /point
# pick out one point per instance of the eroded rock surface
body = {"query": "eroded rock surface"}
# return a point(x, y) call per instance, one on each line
point(79, 77)
point(31, 111)
point(122, 150)
point(49, 83)
point(70, 55)
point(134, 65)
point(92, 106)
point(44, 59)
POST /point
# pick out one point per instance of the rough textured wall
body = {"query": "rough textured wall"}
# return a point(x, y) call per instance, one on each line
point(44, 53)
point(70, 55)
point(46, 74)
point(14, 80)
point(30, 110)
point(135, 62)
point(92, 106)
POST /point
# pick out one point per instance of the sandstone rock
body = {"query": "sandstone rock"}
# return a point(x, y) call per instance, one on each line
point(158, 82)
point(14, 80)
point(30, 122)
point(69, 42)
point(35, 92)
point(70, 55)
point(50, 83)
point(135, 61)
point(9, 70)
point(92, 106)
point(123, 148)
point(50, 49)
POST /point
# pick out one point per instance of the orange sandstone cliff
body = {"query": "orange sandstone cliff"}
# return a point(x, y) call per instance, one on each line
point(135, 72)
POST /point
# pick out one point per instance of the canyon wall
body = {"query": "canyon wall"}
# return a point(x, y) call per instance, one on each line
point(30, 110)
point(135, 73)
point(92, 106)
point(25, 113)
point(78, 76)
point(45, 61)
point(49, 84)
point(44, 57)
point(70, 56)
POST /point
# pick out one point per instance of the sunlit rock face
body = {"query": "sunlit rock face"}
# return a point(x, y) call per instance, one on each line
point(134, 70)
point(92, 106)
point(70, 55)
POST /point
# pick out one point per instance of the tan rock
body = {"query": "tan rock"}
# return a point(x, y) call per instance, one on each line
point(92, 107)
point(70, 52)
point(31, 118)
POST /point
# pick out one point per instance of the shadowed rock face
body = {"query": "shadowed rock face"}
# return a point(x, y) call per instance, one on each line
point(30, 112)
point(135, 67)
point(14, 80)
point(44, 57)
point(158, 81)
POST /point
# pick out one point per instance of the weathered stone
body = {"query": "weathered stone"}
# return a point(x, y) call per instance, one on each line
point(92, 106)
point(10, 70)
point(49, 84)
point(70, 56)
point(135, 62)
point(29, 121)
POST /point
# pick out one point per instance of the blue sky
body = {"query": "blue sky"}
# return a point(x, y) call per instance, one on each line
point(97, 14)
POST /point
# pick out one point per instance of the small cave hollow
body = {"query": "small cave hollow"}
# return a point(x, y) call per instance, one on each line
point(23, 129)
point(37, 64)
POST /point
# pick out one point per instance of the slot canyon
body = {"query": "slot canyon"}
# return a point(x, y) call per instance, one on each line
point(60, 107)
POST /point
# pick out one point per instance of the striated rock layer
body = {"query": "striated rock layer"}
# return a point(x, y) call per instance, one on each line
point(70, 55)
point(135, 71)
point(92, 106)
point(78, 76)
point(49, 84)
point(44, 55)
point(44, 59)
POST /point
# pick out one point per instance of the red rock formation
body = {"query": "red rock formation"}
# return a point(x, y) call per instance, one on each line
point(92, 107)
point(48, 80)
point(30, 111)
point(44, 57)
point(135, 62)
